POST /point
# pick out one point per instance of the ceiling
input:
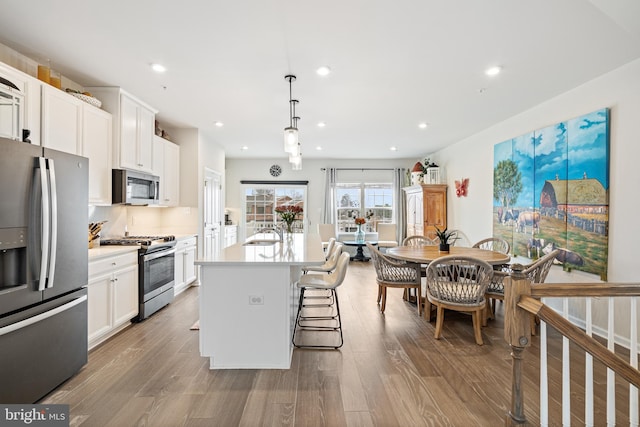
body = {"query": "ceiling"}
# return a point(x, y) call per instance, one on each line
point(394, 64)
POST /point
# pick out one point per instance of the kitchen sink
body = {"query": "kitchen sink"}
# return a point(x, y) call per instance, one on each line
point(260, 242)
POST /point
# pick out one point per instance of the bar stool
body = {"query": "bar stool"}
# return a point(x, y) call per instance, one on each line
point(324, 322)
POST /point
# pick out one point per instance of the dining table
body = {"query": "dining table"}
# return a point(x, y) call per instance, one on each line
point(426, 254)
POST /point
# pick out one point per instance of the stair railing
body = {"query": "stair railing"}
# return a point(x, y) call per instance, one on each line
point(523, 300)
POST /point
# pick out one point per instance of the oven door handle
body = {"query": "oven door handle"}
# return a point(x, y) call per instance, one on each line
point(158, 254)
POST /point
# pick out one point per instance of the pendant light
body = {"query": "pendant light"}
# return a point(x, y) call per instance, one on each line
point(291, 132)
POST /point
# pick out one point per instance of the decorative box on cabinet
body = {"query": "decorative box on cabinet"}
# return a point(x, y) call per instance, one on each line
point(133, 128)
point(185, 271)
point(426, 207)
point(73, 126)
point(112, 295)
point(166, 165)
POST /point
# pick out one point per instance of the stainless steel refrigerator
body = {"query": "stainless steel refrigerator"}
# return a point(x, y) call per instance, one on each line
point(43, 269)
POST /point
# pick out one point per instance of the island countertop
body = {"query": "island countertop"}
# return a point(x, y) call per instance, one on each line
point(295, 249)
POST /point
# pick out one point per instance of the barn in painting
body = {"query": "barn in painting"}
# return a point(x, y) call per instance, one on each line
point(551, 190)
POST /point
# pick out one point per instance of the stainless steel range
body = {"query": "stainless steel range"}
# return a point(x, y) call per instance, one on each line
point(156, 271)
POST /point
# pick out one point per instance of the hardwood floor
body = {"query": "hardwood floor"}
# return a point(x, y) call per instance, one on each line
point(390, 372)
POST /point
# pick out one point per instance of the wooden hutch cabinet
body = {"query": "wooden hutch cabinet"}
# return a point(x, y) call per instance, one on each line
point(426, 209)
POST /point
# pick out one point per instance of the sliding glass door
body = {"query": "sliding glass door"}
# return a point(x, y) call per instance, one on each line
point(261, 200)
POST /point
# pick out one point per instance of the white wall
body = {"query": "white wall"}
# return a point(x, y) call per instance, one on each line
point(472, 158)
point(258, 169)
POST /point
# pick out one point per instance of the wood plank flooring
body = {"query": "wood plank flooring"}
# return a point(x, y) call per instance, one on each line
point(390, 372)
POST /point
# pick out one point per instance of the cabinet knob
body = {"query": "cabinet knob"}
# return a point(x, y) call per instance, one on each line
point(113, 263)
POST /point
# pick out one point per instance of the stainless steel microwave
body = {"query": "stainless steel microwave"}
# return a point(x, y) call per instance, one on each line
point(134, 188)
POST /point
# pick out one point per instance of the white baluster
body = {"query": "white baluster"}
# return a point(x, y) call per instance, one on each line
point(611, 375)
point(633, 360)
point(588, 372)
point(566, 372)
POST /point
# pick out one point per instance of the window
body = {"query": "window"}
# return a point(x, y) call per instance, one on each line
point(260, 201)
point(373, 201)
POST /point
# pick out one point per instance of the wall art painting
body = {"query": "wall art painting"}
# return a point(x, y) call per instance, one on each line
point(551, 191)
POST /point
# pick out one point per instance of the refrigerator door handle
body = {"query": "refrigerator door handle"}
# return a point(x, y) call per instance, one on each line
point(53, 241)
point(42, 316)
point(44, 237)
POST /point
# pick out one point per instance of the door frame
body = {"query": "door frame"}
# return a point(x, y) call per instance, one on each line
point(214, 177)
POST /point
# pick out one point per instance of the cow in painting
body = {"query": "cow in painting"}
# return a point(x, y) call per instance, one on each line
point(527, 219)
point(565, 256)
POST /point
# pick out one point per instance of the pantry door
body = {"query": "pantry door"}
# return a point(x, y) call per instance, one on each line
point(212, 220)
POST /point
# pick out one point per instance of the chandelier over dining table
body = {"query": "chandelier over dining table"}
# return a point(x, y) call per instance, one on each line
point(291, 138)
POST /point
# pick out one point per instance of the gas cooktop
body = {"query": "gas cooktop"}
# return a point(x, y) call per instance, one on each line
point(144, 241)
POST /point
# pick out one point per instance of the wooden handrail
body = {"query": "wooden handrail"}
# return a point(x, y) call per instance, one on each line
point(559, 290)
point(584, 341)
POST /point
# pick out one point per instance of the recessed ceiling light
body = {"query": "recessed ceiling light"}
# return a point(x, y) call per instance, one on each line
point(393, 148)
point(423, 125)
point(323, 71)
point(321, 124)
point(493, 71)
point(219, 124)
point(158, 68)
point(319, 148)
point(244, 148)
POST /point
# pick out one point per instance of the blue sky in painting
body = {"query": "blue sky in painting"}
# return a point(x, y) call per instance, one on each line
point(588, 148)
point(567, 150)
point(550, 147)
point(523, 156)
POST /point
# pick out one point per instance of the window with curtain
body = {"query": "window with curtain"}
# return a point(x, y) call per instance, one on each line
point(261, 200)
point(373, 201)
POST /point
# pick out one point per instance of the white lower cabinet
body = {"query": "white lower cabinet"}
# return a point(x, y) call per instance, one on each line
point(112, 295)
point(230, 235)
point(185, 271)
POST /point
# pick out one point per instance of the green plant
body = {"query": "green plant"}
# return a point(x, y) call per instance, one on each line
point(446, 237)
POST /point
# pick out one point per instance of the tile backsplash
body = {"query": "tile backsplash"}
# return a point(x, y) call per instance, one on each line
point(144, 220)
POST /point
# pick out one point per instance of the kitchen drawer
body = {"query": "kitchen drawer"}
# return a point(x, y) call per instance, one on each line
point(109, 264)
point(185, 243)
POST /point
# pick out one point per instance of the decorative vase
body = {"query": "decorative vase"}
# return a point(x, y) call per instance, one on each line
point(444, 248)
point(289, 227)
point(359, 234)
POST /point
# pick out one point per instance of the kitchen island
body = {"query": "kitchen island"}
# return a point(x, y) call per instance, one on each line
point(248, 301)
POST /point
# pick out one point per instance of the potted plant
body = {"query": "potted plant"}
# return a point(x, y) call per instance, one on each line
point(446, 239)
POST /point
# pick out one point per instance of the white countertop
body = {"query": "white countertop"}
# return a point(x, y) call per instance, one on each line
point(107, 251)
point(300, 250)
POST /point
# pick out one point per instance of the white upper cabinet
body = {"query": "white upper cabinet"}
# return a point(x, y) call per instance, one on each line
point(97, 142)
point(133, 128)
point(166, 165)
point(61, 120)
point(73, 126)
point(29, 87)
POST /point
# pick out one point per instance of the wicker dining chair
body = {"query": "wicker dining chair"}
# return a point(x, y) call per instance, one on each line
point(497, 244)
point(418, 240)
point(395, 274)
point(536, 272)
point(458, 283)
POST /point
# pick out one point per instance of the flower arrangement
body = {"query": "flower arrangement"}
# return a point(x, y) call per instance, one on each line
point(360, 221)
point(288, 214)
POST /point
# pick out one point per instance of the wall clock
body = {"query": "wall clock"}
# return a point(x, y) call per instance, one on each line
point(275, 170)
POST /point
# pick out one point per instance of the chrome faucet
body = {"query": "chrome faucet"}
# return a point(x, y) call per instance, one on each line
point(272, 230)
